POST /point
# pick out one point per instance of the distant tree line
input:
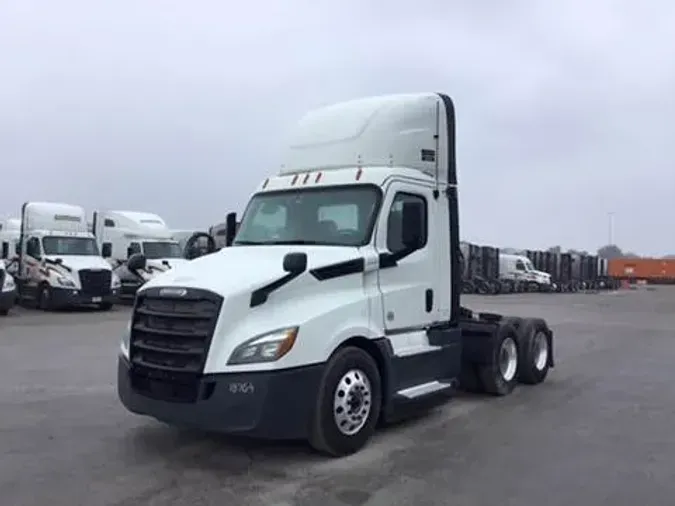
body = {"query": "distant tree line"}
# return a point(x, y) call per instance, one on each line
point(608, 251)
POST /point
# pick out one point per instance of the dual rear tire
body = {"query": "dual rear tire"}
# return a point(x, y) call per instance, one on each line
point(521, 354)
point(349, 399)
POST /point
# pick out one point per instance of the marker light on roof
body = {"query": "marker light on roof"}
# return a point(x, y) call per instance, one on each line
point(304, 181)
point(295, 178)
point(265, 183)
point(317, 178)
point(358, 173)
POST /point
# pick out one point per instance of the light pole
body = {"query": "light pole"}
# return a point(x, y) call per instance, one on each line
point(610, 223)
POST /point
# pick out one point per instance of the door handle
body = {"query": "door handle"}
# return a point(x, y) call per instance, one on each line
point(429, 300)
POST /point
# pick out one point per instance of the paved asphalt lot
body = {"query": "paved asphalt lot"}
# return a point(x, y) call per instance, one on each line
point(599, 431)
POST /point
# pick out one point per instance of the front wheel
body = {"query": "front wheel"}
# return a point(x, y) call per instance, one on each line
point(44, 301)
point(348, 403)
point(105, 306)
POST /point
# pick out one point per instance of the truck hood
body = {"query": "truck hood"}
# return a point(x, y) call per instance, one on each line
point(78, 262)
point(239, 268)
point(158, 263)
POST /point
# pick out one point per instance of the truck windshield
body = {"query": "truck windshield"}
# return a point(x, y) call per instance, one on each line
point(342, 216)
point(84, 246)
point(165, 249)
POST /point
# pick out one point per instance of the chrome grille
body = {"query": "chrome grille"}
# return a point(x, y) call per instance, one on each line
point(170, 340)
point(95, 282)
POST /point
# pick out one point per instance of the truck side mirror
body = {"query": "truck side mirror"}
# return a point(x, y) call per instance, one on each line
point(106, 250)
point(136, 262)
point(295, 263)
point(412, 225)
point(231, 228)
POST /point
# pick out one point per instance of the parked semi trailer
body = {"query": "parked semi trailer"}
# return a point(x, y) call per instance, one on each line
point(651, 270)
point(351, 313)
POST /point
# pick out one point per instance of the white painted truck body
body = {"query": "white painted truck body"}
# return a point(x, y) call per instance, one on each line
point(59, 263)
point(322, 271)
point(7, 289)
point(520, 268)
point(10, 230)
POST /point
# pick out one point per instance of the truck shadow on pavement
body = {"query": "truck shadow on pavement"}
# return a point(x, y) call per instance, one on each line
point(189, 449)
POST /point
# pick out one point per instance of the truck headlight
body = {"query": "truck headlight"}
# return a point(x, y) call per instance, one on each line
point(126, 341)
point(115, 281)
point(8, 285)
point(264, 348)
point(68, 283)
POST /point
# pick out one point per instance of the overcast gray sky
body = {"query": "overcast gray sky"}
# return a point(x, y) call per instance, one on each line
point(565, 110)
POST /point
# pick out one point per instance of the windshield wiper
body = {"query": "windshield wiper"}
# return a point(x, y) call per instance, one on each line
point(288, 242)
point(302, 242)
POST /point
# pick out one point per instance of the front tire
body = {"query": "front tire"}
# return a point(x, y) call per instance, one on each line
point(348, 403)
point(105, 306)
point(44, 301)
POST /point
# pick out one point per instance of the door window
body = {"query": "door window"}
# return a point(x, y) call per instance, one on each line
point(395, 221)
point(33, 247)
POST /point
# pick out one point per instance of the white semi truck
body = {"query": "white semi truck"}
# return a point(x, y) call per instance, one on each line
point(7, 290)
point(519, 269)
point(338, 304)
point(10, 230)
point(121, 234)
point(59, 263)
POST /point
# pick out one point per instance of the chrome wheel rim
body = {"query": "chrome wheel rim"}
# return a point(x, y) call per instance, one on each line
point(540, 351)
point(352, 402)
point(508, 359)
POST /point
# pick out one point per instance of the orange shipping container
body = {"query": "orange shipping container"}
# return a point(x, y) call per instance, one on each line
point(653, 269)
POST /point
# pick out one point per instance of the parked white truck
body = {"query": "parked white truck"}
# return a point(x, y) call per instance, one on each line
point(121, 234)
point(338, 304)
point(59, 263)
point(10, 230)
point(519, 269)
point(7, 290)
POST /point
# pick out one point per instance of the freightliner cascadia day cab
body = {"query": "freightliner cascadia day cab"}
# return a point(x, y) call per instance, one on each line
point(519, 268)
point(59, 263)
point(123, 234)
point(7, 290)
point(338, 305)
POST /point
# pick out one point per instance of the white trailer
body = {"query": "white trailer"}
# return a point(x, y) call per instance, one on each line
point(338, 304)
point(121, 234)
point(59, 263)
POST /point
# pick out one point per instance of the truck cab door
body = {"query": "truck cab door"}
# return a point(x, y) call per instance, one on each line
point(32, 261)
point(409, 285)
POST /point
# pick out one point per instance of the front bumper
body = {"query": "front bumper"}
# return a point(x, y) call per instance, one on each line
point(7, 300)
point(272, 405)
point(67, 297)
